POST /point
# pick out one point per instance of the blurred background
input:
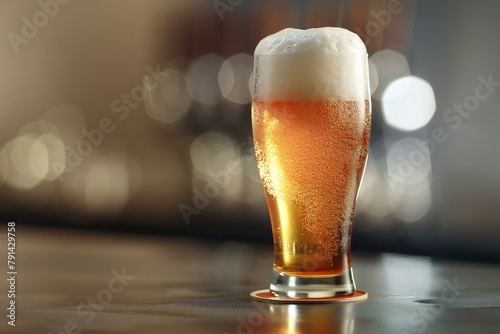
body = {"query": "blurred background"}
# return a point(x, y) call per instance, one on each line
point(134, 116)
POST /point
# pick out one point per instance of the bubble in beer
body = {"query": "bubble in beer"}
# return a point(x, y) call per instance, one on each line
point(307, 152)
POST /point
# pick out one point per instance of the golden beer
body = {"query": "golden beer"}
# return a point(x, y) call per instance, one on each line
point(311, 157)
point(311, 124)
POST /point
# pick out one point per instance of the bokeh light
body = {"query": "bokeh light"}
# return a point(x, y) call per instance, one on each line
point(234, 76)
point(408, 103)
point(99, 187)
point(389, 66)
point(372, 199)
point(38, 158)
point(414, 204)
point(19, 174)
point(169, 100)
point(211, 151)
point(47, 150)
point(47, 154)
point(107, 185)
point(409, 175)
point(28, 158)
point(215, 159)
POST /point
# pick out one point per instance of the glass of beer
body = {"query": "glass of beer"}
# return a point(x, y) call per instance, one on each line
point(311, 117)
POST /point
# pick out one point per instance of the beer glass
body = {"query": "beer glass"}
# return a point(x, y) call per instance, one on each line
point(311, 118)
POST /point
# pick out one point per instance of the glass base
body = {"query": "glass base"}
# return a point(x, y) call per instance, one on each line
point(296, 286)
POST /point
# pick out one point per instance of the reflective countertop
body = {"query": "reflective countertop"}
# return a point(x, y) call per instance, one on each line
point(82, 282)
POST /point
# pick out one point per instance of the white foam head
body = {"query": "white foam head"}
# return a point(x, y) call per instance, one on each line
point(314, 64)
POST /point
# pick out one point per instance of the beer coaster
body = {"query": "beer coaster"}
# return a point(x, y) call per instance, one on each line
point(267, 296)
